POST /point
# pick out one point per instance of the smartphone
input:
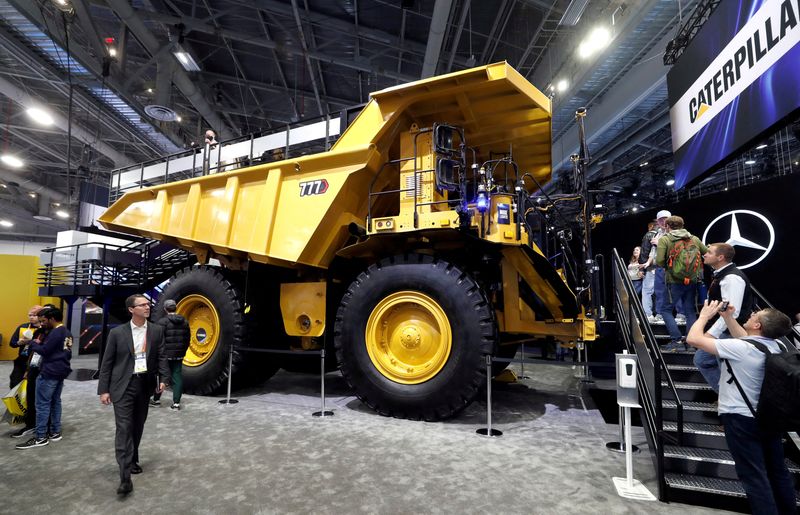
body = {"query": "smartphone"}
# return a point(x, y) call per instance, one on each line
point(724, 306)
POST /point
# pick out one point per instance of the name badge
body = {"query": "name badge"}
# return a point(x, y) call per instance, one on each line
point(140, 366)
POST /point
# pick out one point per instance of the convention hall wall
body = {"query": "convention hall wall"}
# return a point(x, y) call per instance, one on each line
point(755, 208)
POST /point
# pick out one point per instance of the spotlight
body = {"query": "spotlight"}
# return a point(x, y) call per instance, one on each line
point(670, 182)
point(32, 194)
point(562, 85)
point(644, 164)
point(12, 161)
point(40, 116)
point(6, 223)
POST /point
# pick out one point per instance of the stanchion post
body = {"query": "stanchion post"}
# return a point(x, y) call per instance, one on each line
point(488, 431)
point(322, 412)
point(228, 399)
point(522, 365)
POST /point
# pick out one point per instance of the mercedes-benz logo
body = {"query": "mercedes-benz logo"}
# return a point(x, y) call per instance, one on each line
point(731, 228)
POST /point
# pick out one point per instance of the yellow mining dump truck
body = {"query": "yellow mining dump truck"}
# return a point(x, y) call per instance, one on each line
point(402, 246)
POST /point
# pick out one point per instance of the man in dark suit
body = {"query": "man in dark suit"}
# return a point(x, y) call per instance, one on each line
point(133, 355)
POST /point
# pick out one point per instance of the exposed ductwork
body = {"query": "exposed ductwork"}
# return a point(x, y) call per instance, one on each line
point(180, 78)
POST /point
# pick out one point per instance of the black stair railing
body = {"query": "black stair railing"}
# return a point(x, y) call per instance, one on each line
point(639, 339)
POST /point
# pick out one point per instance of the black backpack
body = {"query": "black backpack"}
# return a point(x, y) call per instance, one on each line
point(778, 409)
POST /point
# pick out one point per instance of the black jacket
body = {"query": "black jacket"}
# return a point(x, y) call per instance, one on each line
point(176, 335)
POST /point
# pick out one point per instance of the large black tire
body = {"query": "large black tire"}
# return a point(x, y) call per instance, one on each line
point(212, 304)
point(378, 298)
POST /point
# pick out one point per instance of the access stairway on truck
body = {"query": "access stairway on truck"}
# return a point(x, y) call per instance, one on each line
point(96, 269)
point(679, 414)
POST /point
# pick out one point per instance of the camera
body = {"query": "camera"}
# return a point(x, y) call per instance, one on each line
point(724, 306)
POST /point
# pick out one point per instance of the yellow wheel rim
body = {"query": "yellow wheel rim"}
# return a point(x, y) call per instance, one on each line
point(408, 337)
point(204, 325)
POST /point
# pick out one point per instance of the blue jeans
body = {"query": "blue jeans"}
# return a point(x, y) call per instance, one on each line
point(48, 405)
point(637, 287)
point(760, 465)
point(648, 285)
point(682, 295)
point(660, 289)
point(708, 364)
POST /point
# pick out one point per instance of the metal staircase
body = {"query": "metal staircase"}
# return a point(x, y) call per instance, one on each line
point(99, 269)
point(679, 414)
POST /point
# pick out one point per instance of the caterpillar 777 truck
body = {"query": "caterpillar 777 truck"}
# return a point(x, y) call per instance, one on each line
point(405, 246)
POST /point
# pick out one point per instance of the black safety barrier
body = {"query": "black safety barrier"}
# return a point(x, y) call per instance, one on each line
point(489, 431)
point(321, 353)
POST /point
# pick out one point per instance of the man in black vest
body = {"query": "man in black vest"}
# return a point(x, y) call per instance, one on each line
point(731, 285)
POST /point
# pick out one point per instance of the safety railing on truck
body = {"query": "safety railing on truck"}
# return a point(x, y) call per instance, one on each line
point(89, 269)
point(639, 339)
point(307, 136)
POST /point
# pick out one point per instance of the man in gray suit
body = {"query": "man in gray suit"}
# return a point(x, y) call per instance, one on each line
point(133, 355)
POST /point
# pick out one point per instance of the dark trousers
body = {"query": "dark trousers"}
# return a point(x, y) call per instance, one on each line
point(30, 415)
point(176, 380)
point(760, 465)
point(18, 372)
point(130, 413)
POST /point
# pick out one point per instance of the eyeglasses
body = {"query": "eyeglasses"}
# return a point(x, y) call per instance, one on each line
point(146, 304)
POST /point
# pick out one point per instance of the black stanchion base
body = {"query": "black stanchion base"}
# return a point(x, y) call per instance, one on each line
point(484, 431)
point(619, 447)
point(587, 381)
point(228, 401)
point(322, 414)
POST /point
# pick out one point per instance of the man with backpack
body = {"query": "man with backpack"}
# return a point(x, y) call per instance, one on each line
point(755, 446)
point(681, 255)
point(176, 341)
point(653, 284)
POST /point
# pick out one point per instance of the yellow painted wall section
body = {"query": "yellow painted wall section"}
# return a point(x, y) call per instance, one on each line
point(18, 295)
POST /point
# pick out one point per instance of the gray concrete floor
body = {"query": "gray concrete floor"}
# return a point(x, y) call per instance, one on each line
point(267, 454)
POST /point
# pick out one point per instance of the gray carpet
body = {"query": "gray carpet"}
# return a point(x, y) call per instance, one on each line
point(267, 454)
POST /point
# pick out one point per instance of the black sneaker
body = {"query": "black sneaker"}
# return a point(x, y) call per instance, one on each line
point(155, 402)
point(33, 442)
point(25, 431)
point(54, 437)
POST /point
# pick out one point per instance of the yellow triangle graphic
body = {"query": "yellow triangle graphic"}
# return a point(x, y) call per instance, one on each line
point(701, 110)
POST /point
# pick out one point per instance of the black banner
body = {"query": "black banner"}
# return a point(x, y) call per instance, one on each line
point(756, 219)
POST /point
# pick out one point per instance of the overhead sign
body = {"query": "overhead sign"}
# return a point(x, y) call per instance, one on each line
point(748, 81)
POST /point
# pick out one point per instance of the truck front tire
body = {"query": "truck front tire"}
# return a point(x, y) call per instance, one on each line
point(411, 335)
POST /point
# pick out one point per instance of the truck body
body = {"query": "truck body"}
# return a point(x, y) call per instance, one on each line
point(403, 247)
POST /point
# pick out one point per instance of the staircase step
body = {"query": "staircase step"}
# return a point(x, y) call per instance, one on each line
point(711, 485)
point(688, 386)
point(721, 456)
point(681, 368)
point(695, 428)
point(690, 405)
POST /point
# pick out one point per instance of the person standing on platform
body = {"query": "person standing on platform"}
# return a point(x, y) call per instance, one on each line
point(649, 247)
point(19, 340)
point(730, 285)
point(681, 255)
point(176, 343)
point(133, 355)
point(635, 272)
point(56, 353)
point(757, 453)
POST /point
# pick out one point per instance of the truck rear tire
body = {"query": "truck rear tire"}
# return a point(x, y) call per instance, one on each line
point(411, 335)
point(212, 305)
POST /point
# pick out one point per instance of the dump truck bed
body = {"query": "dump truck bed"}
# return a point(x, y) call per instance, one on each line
point(296, 211)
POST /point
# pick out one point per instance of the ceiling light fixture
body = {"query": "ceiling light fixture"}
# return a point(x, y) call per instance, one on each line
point(763, 145)
point(562, 85)
point(62, 214)
point(644, 164)
point(12, 161)
point(597, 40)
point(750, 162)
point(6, 223)
point(32, 194)
point(635, 194)
point(40, 116)
point(670, 182)
point(186, 59)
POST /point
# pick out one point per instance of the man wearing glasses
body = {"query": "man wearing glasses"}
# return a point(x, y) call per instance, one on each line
point(133, 355)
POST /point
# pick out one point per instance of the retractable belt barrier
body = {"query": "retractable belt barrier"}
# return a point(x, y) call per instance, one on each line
point(321, 353)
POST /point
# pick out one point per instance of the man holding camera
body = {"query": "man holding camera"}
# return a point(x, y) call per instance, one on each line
point(730, 285)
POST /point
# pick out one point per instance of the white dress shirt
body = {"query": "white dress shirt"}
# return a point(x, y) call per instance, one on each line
point(139, 336)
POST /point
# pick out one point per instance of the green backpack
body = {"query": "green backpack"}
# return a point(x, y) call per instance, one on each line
point(685, 260)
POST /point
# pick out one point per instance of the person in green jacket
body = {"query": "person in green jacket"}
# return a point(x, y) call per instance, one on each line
point(681, 255)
